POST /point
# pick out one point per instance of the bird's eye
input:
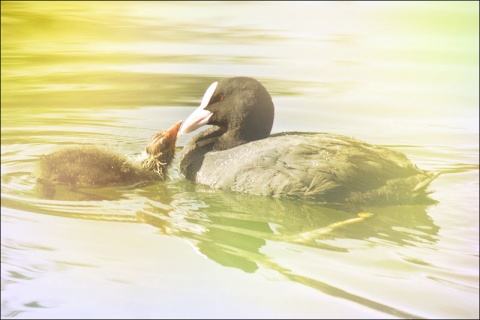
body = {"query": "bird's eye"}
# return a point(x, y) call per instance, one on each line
point(220, 97)
point(165, 143)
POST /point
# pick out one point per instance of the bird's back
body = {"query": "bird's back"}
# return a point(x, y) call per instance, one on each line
point(87, 166)
point(317, 166)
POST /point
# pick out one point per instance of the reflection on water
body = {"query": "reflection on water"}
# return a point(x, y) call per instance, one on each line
point(401, 74)
point(223, 227)
point(229, 233)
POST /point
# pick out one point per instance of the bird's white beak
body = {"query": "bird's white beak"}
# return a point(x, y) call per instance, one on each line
point(200, 116)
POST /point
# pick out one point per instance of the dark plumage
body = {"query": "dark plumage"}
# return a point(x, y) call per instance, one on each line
point(238, 153)
point(91, 166)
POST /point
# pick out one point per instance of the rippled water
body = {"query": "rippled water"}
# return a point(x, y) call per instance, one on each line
point(402, 74)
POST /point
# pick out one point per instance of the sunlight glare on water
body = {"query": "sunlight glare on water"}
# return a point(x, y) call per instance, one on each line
point(399, 74)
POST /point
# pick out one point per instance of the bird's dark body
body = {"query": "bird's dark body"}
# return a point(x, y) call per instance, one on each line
point(89, 166)
point(93, 166)
point(314, 166)
point(239, 154)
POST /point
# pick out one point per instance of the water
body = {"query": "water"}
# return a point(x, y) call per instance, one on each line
point(403, 75)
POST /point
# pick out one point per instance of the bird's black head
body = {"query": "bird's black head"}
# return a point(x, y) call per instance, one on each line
point(241, 107)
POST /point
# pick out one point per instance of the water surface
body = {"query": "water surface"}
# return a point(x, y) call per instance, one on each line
point(399, 74)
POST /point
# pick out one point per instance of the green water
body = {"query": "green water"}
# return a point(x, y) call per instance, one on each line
point(400, 74)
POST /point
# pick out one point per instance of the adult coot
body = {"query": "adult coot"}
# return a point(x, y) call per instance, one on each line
point(238, 153)
point(91, 166)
